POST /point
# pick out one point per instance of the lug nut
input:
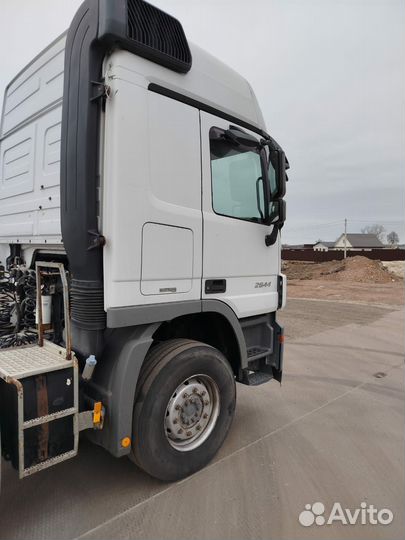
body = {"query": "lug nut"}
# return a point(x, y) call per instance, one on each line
point(206, 402)
point(194, 390)
point(177, 407)
point(198, 428)
point(203, 393)
point(205, 415)
point(188, 433)
point(175, 421)
point(185, 395)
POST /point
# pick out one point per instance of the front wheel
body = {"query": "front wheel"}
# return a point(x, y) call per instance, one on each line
point(184, 408)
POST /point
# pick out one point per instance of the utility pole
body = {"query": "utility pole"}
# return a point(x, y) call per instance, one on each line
point(345, 240)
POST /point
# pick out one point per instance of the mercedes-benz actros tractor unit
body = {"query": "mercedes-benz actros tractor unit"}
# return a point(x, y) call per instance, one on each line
point(141, 203)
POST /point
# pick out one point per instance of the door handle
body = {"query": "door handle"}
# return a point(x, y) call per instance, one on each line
point(213, 286)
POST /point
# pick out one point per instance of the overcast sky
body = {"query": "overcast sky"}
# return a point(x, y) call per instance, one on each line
point(329, 76)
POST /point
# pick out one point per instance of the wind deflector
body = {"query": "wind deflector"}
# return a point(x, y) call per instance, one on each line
point(99, 27)
point(159, 36)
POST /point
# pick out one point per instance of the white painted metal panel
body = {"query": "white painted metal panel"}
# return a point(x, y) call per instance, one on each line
point(30, 151)
point(235, 249)
point(152, 173)
point(209, 81)
point(17, 163)
point(167, 259)
point(38, 87)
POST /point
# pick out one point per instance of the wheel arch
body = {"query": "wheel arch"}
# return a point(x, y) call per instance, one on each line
point(116, 376)
point(212, 327)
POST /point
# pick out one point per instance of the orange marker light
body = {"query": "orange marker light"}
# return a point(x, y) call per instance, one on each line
point(97, 411)
point(281, 338)
point(125, 442)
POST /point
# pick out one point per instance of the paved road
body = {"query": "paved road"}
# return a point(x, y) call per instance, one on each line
point(333, 432)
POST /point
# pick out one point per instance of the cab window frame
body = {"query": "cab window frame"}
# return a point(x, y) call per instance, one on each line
point(215, 132)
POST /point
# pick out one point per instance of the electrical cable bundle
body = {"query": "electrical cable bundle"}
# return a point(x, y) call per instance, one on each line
point(17, 339)
point(7, 300)
point(29, 302)
point(17, 309)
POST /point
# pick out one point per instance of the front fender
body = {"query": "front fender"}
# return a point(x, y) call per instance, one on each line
point(114, 383)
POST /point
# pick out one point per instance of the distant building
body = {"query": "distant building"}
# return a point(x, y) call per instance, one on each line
point(367, 245)
point(358, 242)
point(297, 246)
point(354, 242)
point(323, 246)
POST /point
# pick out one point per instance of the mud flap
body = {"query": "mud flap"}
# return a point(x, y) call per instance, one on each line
point(278, 351)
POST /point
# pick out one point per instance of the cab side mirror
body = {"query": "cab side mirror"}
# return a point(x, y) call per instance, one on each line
point(279, 162)
point(277, 212)
point(277, 215)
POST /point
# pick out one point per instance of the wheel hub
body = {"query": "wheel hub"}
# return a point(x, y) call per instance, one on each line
point(192, 412)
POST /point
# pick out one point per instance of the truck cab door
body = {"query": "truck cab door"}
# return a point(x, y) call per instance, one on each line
point(238, 268)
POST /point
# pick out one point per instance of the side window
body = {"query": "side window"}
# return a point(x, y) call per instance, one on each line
point(237, 186)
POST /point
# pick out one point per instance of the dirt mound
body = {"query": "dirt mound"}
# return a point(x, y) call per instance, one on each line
point(358, 269)
point(395, 267)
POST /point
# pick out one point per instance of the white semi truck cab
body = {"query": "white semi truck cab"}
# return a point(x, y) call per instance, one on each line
point(141, 203)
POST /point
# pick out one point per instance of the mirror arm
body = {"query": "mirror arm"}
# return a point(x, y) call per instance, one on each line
point(231, 137)
point(271, 238)
point(271, 143)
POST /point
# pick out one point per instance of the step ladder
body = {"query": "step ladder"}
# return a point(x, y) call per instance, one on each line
point(34, 370)
point(21, 367)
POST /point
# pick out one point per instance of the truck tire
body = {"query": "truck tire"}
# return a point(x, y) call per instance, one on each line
point(185, 403)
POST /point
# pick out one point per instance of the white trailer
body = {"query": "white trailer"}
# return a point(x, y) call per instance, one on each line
point(139, 185)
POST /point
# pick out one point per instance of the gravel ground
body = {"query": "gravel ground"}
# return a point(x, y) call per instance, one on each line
point(377, 294)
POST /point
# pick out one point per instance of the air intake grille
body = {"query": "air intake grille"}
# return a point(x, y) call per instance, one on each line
point(159, 36)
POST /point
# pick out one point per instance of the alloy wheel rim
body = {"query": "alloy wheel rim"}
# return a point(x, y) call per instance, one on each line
point(192, 412)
